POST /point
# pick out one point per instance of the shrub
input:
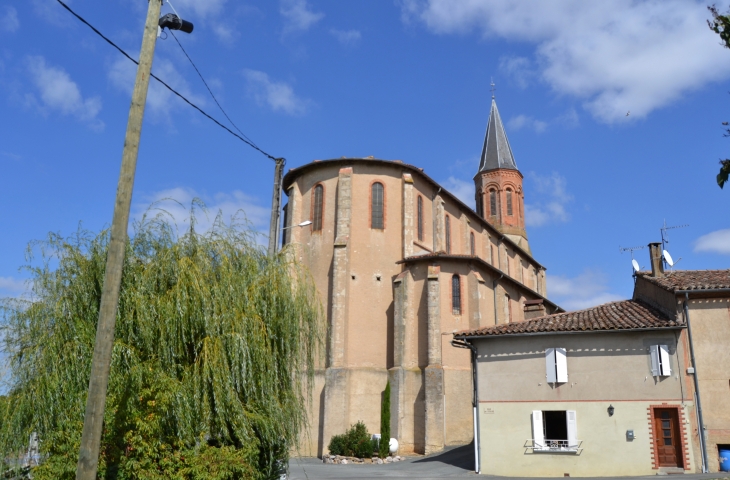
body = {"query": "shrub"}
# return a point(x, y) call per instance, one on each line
point(384, 447)
point(356, 442)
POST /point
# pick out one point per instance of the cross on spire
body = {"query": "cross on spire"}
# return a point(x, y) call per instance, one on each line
point(493, 89)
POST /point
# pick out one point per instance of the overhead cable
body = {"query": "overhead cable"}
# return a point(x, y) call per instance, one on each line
point(244, 140)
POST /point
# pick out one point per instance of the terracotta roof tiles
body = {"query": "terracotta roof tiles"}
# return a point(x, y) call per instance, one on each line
point(690, 279)
point(623, 315)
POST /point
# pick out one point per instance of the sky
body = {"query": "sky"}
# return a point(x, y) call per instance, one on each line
point(613, 110)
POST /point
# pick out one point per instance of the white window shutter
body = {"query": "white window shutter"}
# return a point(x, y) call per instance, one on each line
point(666, 367)
point(654, 351)
point(572, 429)
point(561, 364)
point(538, 434)
point(550, 365)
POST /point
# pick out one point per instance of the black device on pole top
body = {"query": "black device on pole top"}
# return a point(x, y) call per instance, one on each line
point(173, 22)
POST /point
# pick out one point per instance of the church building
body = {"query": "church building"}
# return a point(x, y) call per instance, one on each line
point(401, 264)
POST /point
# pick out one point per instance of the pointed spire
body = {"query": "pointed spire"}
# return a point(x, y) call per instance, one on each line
point(496, 152)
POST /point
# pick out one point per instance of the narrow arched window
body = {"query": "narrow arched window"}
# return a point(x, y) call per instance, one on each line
point(509, 202)
point(376, 206)
point(456, 295)
point(493, 202)
point(420, 218)
point(447, 233)
point(317, 203)
point(472, 245)
point(507, 309)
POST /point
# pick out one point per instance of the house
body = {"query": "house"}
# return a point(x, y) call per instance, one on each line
point(400, 263)
point(612, 390)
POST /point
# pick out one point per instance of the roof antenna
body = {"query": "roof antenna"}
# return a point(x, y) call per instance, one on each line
point(493, 89)
point(666, 258)
point(634, 263)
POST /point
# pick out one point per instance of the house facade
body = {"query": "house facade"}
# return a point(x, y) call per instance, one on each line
point(400, 264)
point(618, 389)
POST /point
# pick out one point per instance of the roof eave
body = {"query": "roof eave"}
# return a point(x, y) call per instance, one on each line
point(568, 332)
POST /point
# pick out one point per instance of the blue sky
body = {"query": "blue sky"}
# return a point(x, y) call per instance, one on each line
point(613, 111)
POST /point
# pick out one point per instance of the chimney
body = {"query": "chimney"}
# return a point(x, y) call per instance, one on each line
point(657, 266)
point(534, 309)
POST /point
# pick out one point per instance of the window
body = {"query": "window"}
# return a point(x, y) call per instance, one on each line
point(507, 309)
point(447, 227)
point(492, 202)
point(509, 202)
point(554, 431)
point(317, 202)
point(491, 255)
point(284, 239)
point(660, 361)
point(556, 365)
point(472, 242)
point(376, 206)
point(420, 217)
point(456, 295)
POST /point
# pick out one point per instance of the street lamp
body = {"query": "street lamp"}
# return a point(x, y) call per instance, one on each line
point(303, 224)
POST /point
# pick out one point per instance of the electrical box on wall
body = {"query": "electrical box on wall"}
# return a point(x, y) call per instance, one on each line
point(629, 435)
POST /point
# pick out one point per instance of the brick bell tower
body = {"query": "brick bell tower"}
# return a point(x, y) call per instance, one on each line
point(499, 195)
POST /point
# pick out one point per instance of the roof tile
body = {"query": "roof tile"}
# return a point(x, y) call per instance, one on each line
point(690, 279)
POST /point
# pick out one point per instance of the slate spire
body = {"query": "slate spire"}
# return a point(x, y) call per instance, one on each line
point(496, 152)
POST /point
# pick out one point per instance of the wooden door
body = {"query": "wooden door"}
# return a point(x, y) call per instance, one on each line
point(666, 433)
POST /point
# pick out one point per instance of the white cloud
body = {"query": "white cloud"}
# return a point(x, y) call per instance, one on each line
point(618, 56)
point(464, 191)
point(279, 96)
point(189, 9)
point(553, 199)
point(525, 121)
point(177, 202)
point(584, 291)
point(346, 37)
point(518, 68)
point(161, 102)
point(58, 92)
point(9, 19)
point(12, 286)
point(297, 15)
point(714, 242)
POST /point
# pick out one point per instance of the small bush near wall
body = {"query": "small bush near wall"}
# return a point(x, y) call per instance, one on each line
point(356, 442)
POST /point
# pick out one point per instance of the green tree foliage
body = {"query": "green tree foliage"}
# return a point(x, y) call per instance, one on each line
point(720, 24)
point(215, 345)
point(384, 449)
point(356, 442)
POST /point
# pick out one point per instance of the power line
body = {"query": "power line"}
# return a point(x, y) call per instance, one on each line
point(244, 140)
point(209, 90)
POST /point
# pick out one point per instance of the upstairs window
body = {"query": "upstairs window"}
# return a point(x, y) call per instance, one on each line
point(419, 205)
point(447, 227)
point(472, 243)
point(507, 309)
point(317, 203)
point(509, 202)
point(556, 365)
point(456, 295)
point(660, 361)
point(554, 431)
point(376, 206)
point(493, 202)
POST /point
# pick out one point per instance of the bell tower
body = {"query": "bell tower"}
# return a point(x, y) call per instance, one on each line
point(499, 195)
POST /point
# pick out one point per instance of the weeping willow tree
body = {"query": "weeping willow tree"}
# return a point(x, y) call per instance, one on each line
point(215, 345)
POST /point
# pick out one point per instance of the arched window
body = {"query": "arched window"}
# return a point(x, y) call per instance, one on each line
point(456, 295)
point(317, 204)
point(493, 202)
point(472, 245)
point(507, 309)
point(447, 227)
point(509, 202)
point(420, 218)
point(376, 206)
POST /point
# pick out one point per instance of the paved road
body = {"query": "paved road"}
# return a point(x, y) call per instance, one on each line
point(454, 463)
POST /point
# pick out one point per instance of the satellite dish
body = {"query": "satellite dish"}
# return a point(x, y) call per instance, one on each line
point(635, 264)
point(668, 258)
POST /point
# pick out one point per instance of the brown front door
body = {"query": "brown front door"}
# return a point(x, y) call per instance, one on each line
point(666, 432)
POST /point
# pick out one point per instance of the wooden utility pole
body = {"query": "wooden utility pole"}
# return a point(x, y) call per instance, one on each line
point(100, 363)
point(275, 207)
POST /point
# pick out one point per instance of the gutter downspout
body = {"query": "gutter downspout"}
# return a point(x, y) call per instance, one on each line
point(475, 397)
point(700, 421)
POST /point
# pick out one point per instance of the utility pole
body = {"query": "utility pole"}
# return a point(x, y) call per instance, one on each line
point(275, 206)
point(100, 363)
